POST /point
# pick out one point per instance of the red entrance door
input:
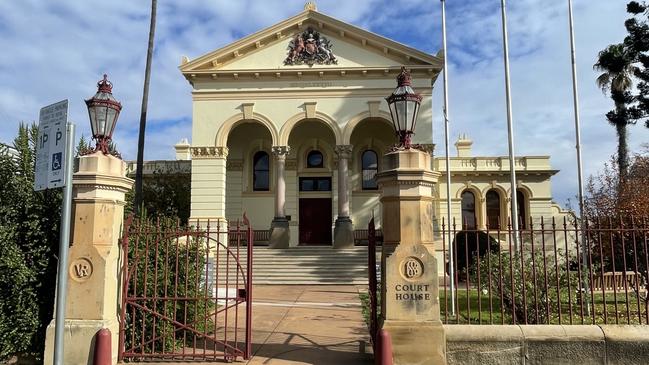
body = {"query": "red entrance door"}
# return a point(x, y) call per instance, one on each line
point(315, 221)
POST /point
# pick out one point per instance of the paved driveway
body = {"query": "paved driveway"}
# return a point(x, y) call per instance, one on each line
point(318, 325)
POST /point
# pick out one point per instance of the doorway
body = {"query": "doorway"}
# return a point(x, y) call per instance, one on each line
point(315, 221)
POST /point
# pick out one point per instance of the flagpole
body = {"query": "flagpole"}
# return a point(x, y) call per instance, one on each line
point(580, 176)
point(575, 93)
point(510, 129)
point(451, 270)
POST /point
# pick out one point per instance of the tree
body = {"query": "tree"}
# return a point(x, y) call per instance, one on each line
point(145, 100)
point(616, 64)
point(637, 42)
point(608, 196)
point(620, 209)
point(164, 194)
point(29, 229)
point(621, 64)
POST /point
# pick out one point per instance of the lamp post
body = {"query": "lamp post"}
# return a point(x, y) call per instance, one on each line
point(103, 110)
point(404, 107)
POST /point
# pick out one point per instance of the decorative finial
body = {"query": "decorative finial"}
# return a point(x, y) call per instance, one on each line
point(105, 86)
point(310, 5)
point(404, 78)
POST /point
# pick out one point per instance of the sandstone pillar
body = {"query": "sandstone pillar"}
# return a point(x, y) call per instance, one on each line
point(410, 289)
point(279, 234)
point(344, 229)
point(94, 272)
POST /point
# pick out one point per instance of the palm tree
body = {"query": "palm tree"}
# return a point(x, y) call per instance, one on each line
point(145, 100)
point(616, 64)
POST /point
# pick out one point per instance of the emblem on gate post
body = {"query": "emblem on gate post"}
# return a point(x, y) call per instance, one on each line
point(412, 268)
point(81, 269)
point(310, 47)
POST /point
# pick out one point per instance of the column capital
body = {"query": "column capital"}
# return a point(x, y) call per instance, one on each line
point(344, 151)
point(280, 152)
point(209, 152)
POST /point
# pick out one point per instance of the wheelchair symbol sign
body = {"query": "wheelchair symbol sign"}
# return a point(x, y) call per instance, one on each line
point(56, 161)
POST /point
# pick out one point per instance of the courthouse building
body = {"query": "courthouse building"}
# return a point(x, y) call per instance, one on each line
point(290, 124)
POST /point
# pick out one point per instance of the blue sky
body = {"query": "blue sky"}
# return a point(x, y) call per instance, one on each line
point(56, 50)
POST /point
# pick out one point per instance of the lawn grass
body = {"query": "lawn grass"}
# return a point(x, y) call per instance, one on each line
point(479, 308)
point(488, 310)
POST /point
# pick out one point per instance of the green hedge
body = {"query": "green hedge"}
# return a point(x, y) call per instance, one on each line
point(29, 237)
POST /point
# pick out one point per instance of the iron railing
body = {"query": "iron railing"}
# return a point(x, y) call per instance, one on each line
point(561, 272)
point(372, 284)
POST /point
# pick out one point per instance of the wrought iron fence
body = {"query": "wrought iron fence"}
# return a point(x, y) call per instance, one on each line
point(186, 294)
point(549, 272)
point(372, 284)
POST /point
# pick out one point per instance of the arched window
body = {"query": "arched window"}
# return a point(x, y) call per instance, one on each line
point(522, 211)
point(468, 210)
point(370, 167)
point(261, 172)
point(493, 209)
point(314, 159)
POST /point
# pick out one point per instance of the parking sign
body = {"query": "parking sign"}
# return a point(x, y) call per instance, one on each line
point(50, 148)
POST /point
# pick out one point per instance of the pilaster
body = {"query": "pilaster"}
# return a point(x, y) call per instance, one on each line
point(208, 183)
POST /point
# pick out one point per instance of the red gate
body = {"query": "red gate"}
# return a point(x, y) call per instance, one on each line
point(182, 291)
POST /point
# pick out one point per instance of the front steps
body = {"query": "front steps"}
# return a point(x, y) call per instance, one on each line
point(301, 266)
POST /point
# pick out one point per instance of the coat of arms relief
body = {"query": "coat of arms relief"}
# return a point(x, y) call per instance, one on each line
point(309, 48)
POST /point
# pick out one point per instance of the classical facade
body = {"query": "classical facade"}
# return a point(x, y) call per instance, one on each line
point(290, 125)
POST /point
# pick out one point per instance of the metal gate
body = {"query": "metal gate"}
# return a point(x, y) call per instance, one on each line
point(186, 292)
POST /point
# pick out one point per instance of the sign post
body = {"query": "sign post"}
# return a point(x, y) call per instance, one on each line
point(54, 159)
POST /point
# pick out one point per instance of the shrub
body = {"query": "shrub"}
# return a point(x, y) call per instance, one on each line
point(174, 265)
point(468, 245)
point(519, 279)
point(29, 238)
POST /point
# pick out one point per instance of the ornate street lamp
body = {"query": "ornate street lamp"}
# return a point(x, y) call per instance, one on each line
point(103, 110)
point(404, 107)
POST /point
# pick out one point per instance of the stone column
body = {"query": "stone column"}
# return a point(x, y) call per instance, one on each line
point(344, 229)
point(410, 288)
point(94, 273)
point(279, 231)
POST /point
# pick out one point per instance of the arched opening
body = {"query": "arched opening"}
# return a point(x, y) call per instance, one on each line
point(249, 174)
point(522, 209)
point(312, 143)
point(261, 172)
point(370, 167)
point(469, 220)
point(493, 209)
point(375, 135)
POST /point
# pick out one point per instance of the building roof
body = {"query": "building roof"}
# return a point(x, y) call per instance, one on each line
point(228, 60)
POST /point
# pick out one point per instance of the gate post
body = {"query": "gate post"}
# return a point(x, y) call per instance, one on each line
point(94, 273)
point(410, 309)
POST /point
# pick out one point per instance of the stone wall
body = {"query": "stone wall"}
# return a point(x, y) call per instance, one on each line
point(547, 344)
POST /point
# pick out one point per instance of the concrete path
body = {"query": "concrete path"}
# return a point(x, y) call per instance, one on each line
point(320, 325)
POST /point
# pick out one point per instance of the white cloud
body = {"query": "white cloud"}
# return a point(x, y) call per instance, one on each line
point(56, 50)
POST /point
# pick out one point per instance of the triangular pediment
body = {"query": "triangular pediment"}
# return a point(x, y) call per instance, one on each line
point(352, 48)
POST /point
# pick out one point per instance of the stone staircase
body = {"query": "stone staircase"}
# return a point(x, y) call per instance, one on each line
point(300, 266)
